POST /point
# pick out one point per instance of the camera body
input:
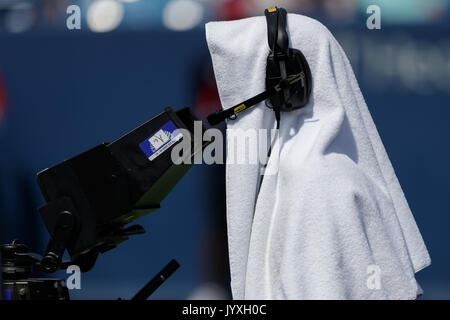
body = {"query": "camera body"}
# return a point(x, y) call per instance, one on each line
point(93, 196)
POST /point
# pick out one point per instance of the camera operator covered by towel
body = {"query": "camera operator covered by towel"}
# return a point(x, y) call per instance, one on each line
point(333, 216)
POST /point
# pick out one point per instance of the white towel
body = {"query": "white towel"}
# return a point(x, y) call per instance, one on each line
point(333, 222)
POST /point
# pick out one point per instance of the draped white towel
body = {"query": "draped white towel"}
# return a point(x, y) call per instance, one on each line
point(333, 220)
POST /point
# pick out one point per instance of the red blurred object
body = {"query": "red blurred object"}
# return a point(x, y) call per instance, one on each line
point(207, 100)
point(233, 9)
point(3, 98)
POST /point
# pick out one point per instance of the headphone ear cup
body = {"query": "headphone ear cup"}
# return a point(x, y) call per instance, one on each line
point(297, 63)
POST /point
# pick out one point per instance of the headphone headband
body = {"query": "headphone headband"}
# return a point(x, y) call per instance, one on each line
point(288, 77)
point(276, 30)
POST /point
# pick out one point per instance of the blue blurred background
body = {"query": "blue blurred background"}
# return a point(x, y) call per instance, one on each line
point(63, 91)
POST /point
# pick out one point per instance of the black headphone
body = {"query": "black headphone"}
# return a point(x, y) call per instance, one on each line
point(288, 76)
point(284, 62)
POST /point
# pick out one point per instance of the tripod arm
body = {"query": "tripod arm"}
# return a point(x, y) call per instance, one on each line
point(157, 281)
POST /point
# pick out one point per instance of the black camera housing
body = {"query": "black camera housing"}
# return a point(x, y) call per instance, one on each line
point(92, 196)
